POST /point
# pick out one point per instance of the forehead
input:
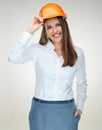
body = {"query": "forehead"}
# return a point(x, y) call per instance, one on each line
point(51, 21)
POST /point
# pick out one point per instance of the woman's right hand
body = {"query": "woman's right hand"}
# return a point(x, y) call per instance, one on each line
point(37, 22)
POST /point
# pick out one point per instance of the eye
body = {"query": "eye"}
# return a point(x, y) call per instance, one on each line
point(48, 27)
point(58, 25)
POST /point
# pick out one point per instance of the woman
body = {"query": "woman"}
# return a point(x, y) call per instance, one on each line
point(57, 62)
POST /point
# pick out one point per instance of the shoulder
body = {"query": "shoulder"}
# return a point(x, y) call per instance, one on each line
point(35, 46)
point(79, 50)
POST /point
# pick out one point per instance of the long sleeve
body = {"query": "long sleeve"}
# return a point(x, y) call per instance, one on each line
point(20, 52)
point(81, 82)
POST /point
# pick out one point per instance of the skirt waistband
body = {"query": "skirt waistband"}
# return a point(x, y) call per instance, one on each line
point(53, 102)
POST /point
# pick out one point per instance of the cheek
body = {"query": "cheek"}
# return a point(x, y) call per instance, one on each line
point(60, 29)
point(48, 33)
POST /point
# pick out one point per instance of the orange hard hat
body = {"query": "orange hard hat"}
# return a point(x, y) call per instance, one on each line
point(51, 10)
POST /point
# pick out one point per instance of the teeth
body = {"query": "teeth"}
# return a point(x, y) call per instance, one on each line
point(57, 35)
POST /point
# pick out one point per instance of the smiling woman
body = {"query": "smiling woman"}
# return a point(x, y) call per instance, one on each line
point(57, 61)
point(54, 33)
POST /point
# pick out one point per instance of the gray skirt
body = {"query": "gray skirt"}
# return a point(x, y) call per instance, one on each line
point(53, 115)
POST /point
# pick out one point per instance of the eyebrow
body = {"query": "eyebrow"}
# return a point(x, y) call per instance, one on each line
point(55, 24)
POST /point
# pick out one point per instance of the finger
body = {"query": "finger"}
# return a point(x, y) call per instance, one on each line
point(38, 18)
point(37, 22)
point(76, 113)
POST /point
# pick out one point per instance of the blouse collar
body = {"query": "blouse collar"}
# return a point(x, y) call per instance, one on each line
point(50, 45)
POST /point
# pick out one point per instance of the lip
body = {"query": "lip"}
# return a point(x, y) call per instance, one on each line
point(57, 35)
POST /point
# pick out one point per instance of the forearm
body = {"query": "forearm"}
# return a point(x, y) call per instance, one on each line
point(81, 95)
point(16, 54)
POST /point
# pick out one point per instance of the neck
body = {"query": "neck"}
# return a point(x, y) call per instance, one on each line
point(58, 48)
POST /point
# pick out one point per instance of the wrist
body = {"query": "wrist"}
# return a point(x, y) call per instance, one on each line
point(30, 31)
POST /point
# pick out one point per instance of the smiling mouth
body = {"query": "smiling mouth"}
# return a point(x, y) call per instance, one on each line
point(57, 35)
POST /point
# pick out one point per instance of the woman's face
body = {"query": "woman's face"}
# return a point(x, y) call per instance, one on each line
point(54, 30)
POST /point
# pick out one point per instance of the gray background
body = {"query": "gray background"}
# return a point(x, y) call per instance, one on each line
point(17, 81)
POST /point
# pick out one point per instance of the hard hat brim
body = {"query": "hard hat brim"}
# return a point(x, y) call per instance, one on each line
point(55, 15)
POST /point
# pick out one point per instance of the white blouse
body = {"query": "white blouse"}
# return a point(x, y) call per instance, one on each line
point(53, 82)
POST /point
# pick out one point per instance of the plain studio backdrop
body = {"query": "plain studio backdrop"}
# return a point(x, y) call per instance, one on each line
point(17, 81)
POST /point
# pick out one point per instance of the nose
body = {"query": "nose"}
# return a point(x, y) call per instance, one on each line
point(55, 29)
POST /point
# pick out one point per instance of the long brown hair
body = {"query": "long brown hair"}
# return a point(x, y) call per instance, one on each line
point(68, 51)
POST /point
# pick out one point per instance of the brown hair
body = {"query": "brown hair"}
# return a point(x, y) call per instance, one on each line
point(68, 51)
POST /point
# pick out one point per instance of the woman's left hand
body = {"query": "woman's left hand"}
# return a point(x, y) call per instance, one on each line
point(77, 112)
